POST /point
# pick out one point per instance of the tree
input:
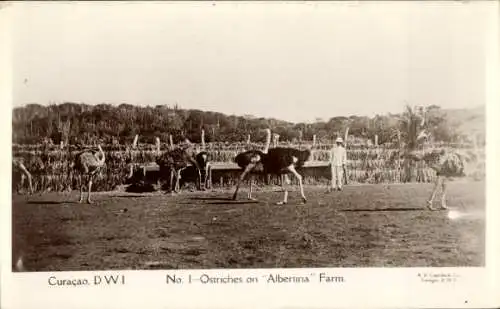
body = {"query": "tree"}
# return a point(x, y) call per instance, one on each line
point(411, 126)
point(34, 122)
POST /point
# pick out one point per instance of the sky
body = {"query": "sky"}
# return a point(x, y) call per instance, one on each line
point(291, 61)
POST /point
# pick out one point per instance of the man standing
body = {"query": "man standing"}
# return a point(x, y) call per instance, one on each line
point(338, 158)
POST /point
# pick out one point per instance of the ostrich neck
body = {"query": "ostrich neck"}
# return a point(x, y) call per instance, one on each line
point(268, 142)
point(103, 158)
point(131, 171)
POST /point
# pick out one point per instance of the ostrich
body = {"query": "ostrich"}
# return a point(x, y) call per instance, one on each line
point(18, 167)
point(191, 172)
point(87, 164)
point(447, 164)
point(277, 161)
point(203, 162)
point(176, 160)
point(253, 158)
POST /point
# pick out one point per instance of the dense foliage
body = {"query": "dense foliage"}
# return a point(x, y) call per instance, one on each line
point(118, 124)
point(36, 127)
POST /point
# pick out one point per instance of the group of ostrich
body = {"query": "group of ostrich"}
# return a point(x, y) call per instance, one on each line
point(279, 161)
point(276, 161)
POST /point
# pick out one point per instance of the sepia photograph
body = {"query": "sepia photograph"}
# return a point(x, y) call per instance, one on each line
point(198, 135)
point(133, 145)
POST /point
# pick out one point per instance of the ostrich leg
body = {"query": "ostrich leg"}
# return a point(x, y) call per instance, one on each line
point(90, 188)
point(443, 197)
point(25, 172)
point(80, 180)
point(285, 192)
point(178, 181)
point(172, 172)
point(251, 189)
point(199, 182)
point(198, 169)
point(247, 170)
point(292, 169)
point(209, 181)
point(434, 192)
point(205, 179)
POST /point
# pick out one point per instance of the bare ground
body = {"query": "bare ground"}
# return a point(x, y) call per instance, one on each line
point(362, 226)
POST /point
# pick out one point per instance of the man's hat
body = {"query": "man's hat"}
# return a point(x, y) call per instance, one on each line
point(339, 140)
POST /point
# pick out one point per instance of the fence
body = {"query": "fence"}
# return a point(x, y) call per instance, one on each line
point(51, 167)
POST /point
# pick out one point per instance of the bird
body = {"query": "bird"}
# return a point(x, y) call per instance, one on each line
point(285, 160)
point(175, 161)
point(203, 160)
point(448, 164)
point(251, 160)
point(19, 168)
point(88, 164)
point(277, 161)
point(202, 178)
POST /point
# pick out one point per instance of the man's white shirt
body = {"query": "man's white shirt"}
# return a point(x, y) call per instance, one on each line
point(338, 156)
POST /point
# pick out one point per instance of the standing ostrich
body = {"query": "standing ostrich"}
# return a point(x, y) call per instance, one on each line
point(447, 164)
point(204, 163)
point(18, 167)
point(277, 161)
point(176, 160)
point(252, 158)
point(87, 164)
point(191, 171)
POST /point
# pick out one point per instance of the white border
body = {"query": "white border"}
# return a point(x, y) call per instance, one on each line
point(363, 287)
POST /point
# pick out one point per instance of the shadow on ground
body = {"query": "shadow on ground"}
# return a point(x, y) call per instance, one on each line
point(364, 226)
point(384, 209)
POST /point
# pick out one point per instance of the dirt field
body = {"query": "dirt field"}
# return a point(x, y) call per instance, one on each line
point(362, 226)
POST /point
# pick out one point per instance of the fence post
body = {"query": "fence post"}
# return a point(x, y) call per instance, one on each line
point(313, 151)
point(202, 139)
point(158, 145)
point(134, 144)
point(345, 145)
point(276, 138)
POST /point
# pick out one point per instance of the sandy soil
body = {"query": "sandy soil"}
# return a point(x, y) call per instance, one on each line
point(362, 226)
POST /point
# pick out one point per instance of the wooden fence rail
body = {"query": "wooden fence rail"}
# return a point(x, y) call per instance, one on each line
point(51, 170)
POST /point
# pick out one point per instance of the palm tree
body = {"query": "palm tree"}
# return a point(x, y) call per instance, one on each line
point(412, 131)
point(411, 125)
